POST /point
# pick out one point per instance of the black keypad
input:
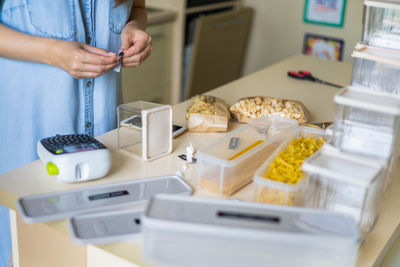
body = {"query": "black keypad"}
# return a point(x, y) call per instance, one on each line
point(56, 144)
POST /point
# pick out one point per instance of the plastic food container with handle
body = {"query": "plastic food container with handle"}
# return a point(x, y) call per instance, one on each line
point(382, 23)
point(345, 183)
point(229, 163)
point(182, 231)
point(280, 193)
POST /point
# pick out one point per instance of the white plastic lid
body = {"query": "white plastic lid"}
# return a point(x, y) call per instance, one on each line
point(139, 105)
point(331, 163)
point(382, 55)
point(368, 100)
point(245, 217)
point(383, 4)
point(260, 129)
point(133, 193)
point(157, 132)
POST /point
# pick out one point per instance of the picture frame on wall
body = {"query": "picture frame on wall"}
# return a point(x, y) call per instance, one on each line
point(324, 47)
point(325, 12)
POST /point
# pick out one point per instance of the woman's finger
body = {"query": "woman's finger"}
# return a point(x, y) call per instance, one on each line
point(97, 50)
point(140, 43)
point(97, 68)
point(96, 59)
point(138, 59)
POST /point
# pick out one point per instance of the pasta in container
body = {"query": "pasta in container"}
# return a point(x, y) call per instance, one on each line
point(280, 180)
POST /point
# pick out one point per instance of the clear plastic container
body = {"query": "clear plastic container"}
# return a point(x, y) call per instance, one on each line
point(345, 183)
point(227, 164)
point(329, 131)
point(376, 69)
point(382, 24)
point(366, 122)
point(145, 129)
point(184, 231)
point(280, 193)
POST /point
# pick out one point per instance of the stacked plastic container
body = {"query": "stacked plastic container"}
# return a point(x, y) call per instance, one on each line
point(348, 175)
point(382, 24)
point(345, 183)
point(377, 68)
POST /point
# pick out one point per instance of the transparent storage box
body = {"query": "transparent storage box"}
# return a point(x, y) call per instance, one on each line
point(376, 69)
point(367, 122)
point(181, 231)
point(280, 193)
point(329, 131)
point(345, 183)
point(145, 129)
point(227, 164)
point(382, 24)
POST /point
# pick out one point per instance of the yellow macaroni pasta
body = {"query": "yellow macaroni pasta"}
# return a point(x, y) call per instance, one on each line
point(286, 166)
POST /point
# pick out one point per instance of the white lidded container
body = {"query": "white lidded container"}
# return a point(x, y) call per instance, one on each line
point(382, 23)
point(182, 231)
point(105, 226)
point(345, 183)
point(367, 122)
point(227, 164)
point(145, 129)
point(376, 69)
point(280, 193)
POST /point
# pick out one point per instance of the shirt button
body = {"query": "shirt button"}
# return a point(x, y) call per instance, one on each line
point(89, 40)
point(88, 124)
point(89, 83)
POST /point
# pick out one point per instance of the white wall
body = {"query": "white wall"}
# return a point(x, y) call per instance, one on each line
point(278, 31)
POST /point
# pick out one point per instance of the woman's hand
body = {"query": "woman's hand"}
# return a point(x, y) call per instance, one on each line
point(82, 60)
point(136, 45)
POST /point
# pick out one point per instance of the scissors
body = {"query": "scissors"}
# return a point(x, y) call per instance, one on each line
point(306, 75)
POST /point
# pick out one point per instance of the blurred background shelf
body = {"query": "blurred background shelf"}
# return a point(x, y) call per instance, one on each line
point(169, 74)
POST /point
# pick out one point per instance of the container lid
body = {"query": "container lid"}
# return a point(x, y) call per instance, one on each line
point(139, 105)
point(105, 227)
point(157, 132)
point(245, 141)
point(134, 193)
point(331, 163)
point(368, 100)
point(382, 55)
point(383, 3)
point(244, 218)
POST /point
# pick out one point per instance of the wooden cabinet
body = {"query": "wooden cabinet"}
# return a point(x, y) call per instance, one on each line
point(218, 50)
point(201, 49)
point(185, 9)
point(152, 80)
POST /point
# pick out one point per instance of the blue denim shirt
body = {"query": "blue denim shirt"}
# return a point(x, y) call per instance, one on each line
point(38, 100)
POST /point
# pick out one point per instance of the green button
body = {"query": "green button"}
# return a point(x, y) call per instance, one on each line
point(54, 199)
point(58, 151)
point(51, 168)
